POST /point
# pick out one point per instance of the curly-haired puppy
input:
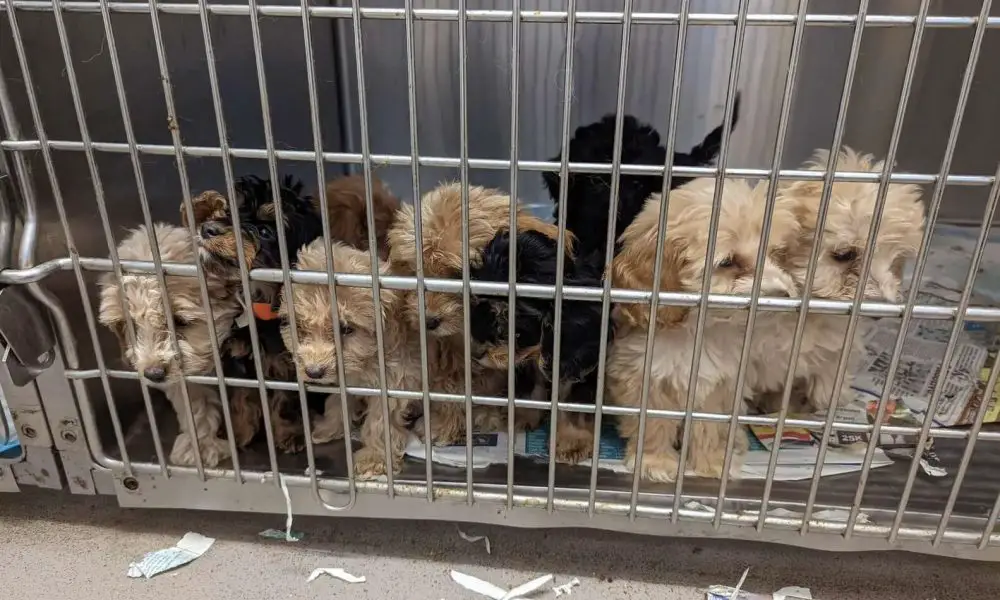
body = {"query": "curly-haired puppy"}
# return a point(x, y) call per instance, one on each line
point(441, 214)
point(845, 234)
point(534, 327)
point(317, 352)
point(345, 198)
point(733, 271)
point(152, 353)
point(589, 194)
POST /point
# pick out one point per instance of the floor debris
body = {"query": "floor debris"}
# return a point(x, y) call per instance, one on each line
point(566, 588)
point(278, 534)
point(337, 574)
point(476, 538)
point(190, 547)
point(485, 588)
point(288, 510)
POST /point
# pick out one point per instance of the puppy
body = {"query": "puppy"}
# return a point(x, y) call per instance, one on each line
point(317, 353)
point(589, 194)
point(261, 249)
point(733, 271)
point(535, 330)
point(345, 197)
point(441, 214)
point(152, 353)
point(850, 213)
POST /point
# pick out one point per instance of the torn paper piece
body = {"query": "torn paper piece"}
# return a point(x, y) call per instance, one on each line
point(526, 589)
point(190, 547)
point(336, 573)
point(476, 538)
point(792, 593)
point(288, 510)
point(474, 584)
point(722, 592)
point(278, 534)
point(566, 588)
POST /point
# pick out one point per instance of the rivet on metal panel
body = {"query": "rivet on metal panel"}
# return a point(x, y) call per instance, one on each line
point(29, 432)
point(131, 483)
point(68, 436)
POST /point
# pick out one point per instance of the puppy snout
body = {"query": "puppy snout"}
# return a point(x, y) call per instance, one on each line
point(211, 229)
point(154, 374)
point(315, 371)
point(433, 322)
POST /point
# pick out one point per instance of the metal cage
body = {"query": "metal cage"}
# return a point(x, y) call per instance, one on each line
point(127, 106)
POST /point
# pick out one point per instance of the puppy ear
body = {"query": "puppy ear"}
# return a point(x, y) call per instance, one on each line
point(204, 205)
point(401, 236)
point(529, 222)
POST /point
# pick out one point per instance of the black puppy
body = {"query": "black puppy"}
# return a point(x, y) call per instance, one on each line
point(535, 328)
point(589, 194)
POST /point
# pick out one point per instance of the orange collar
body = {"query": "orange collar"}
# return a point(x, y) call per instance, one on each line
point(263, 311)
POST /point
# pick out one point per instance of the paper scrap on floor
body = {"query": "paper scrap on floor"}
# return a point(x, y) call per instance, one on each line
point(190, 547)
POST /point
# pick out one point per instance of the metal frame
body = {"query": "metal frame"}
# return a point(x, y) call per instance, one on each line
point(68, 416)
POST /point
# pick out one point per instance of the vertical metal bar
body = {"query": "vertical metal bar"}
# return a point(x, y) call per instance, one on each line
point(779, 151)
point(679, 52)
point(227, 170)
point(148, 220)
point(105, 223)
point(991, 523)
point(967, 454)
point(317, 131)
point(720, 178)
point(24, 175)
point(561, 245)
point(609, 246)
point(515, 81)
point(946, 366)
point(838, 134)
point(366, 161)
point(411, 96)
point(175, 135)
point(918, 270)
point(859, 295)
point(463, 168)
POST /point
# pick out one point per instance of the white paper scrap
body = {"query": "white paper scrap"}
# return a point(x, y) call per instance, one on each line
point(721, 592)
point(566, 588)
point(190, 547)
point(526, 589)
point(476, 538)
point(336, 573)
point(474, 584)
point(793, 593)
point(288, 511)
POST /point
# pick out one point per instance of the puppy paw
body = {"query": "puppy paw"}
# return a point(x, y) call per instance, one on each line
point(573, 451)
point(213, 451)
point(441, 435)
point(656, 467)
point(707, 463)
point(288, 438)
point(369, 463)
point(327, 430)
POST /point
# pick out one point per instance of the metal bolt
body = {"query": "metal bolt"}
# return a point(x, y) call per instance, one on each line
point(69, 436)
point(131, 484)
point(29, 432)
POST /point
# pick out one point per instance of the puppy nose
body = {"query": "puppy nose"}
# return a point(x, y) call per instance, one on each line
point(433, 323)
point(211, 229)
point(315, 371)
point(154, 374)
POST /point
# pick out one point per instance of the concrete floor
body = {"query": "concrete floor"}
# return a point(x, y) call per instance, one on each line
point(81, 546)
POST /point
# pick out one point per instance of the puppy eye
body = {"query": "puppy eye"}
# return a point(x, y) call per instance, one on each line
point(726, 262)
point(180, 321)
point(346, 329)
point(265, 234)
point(845, 255)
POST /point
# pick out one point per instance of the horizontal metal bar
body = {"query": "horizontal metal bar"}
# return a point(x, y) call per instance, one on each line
point(506, 16)
point(589, 294)
point(491, 164)
point(540, 404)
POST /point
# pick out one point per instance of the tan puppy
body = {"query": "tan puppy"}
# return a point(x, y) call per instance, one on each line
point(851, 209)
point(441, 214)
point(152, 354)
point(317, 352)
point(687, 235)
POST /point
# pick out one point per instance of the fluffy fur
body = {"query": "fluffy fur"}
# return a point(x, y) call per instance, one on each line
point(534, 327)
point(733, 264)
point(441, 218)
point(851, 208)
point(152, 354)
point(317, 352)
point(345, 197)
point(588, 195)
